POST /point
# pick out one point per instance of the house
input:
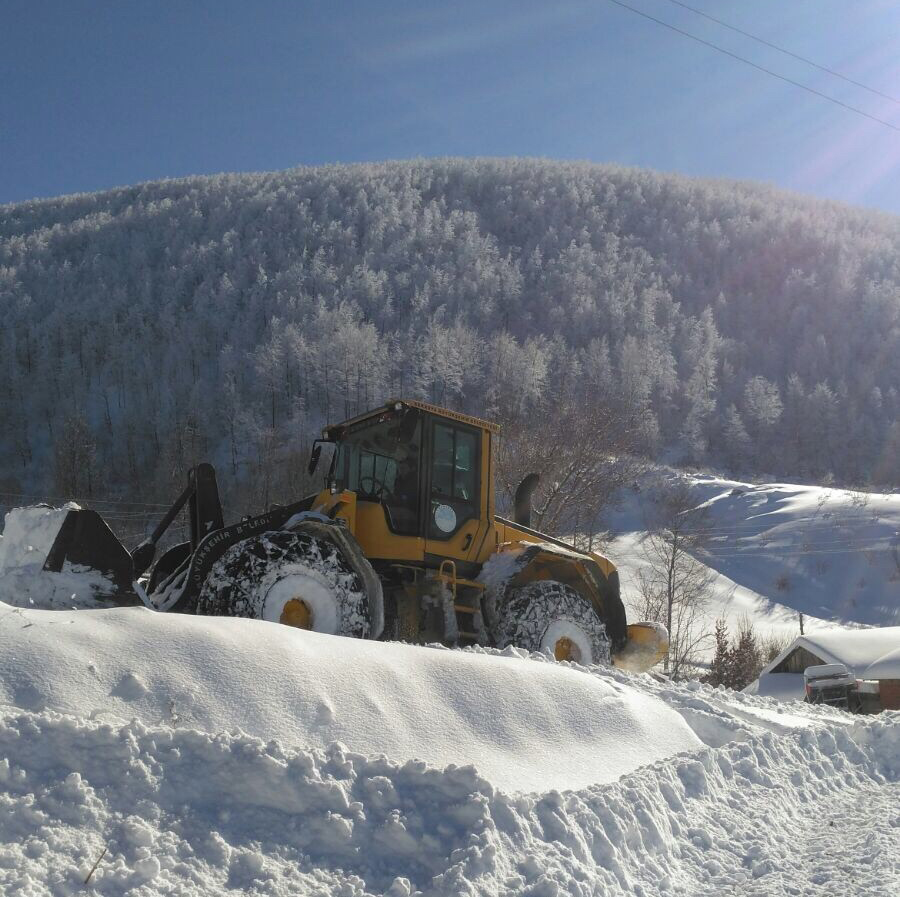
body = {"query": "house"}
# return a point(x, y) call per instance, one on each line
point(870, 654)
point(886, 671)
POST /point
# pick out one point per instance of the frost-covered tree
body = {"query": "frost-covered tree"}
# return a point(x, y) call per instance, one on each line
point(737, 446)
point(495, 286)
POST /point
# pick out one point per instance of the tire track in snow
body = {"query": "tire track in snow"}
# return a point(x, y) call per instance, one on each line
point(851, 845)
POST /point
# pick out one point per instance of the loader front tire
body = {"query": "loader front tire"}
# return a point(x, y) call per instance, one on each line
point(550, 616)
point(288, 577)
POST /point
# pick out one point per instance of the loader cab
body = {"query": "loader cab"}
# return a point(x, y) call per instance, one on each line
point(420, 477)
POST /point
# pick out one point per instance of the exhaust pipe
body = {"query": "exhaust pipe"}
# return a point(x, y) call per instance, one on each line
point(522, 500)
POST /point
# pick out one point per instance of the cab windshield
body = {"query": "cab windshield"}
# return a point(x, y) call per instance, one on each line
point(378, 459)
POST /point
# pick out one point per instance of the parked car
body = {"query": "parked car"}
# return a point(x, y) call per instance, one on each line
point(833, 684)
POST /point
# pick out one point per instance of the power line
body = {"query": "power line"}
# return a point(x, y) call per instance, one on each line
point(95, 501)
point(760, 40)
point(751, 553)
point(774, 534)
point(787, 553)
point(738, 548)
point(758, 67)
point(753, 528)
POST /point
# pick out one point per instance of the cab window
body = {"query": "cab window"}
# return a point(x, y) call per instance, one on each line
point(454, 479)
point(379, 460)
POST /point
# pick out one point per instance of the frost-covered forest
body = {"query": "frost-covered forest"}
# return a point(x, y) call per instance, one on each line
point(228, 317)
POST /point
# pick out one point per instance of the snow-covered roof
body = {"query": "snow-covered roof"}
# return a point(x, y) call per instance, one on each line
point(858, 649)
point(886, 667)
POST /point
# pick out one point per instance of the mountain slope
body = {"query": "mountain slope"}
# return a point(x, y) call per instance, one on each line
point(227, 316)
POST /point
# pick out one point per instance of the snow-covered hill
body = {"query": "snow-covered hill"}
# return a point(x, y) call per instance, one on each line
point(214, 756)
point(779, 549)
point(738, 323)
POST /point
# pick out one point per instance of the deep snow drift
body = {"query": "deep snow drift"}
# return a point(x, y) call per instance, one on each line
point(207, 756)
point(507, 715)
point(185, 812)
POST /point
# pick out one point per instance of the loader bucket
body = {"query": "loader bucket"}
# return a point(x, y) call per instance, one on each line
point(85, 539)
point(646, 645)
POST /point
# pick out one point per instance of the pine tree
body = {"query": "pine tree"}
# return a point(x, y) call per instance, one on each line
point(737, 440)
point(720, 668)
point(746, 657)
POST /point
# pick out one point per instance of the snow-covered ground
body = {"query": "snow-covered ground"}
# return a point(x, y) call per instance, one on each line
point(777, 550)
point(180, 811)
point(214, 756)
point(168, 754)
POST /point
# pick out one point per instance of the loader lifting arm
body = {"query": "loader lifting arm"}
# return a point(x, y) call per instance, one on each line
point(205, 512)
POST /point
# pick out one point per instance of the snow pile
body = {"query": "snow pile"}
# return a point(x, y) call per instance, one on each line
point(28, 535)
point(73, 587)
point(170, 754)
point(181, 811)
point(719, 715)
point(525, 725)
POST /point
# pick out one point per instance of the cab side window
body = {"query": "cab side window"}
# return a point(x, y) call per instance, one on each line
point(454, 479)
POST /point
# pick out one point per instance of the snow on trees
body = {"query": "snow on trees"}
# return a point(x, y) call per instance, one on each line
point(725, 322)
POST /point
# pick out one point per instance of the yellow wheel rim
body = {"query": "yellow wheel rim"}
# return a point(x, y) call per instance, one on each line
point(566, 649)
point(296, 612)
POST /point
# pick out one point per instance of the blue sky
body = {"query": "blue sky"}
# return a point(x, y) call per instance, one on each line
point(100, 94)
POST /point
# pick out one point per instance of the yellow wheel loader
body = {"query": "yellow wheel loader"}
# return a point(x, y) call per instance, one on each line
point(402, 542)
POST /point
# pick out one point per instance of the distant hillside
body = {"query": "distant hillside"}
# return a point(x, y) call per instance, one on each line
point(776, 550)
point(228, 316)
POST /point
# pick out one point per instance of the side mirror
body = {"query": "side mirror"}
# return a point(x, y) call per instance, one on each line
point(314, 458)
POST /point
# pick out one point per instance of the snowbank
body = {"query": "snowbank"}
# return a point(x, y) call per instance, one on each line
point(28, 535)
point(524, 725)
point(204, 756)
point(181, 811)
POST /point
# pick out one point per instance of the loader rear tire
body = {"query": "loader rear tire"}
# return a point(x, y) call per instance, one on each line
point(292, 578)
point(551, 616)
